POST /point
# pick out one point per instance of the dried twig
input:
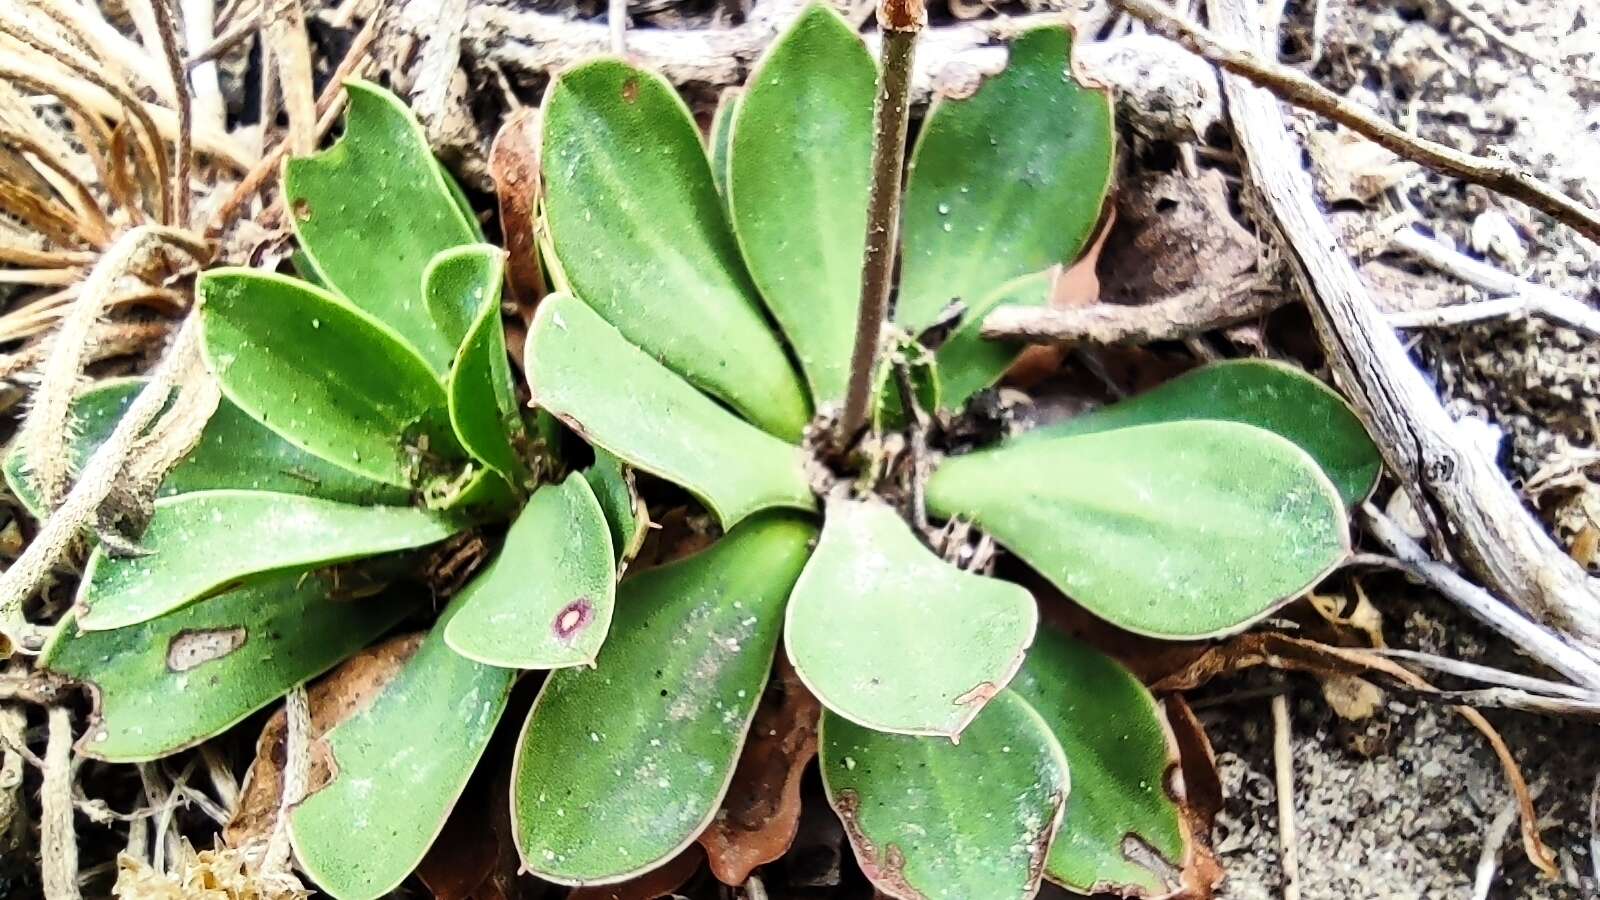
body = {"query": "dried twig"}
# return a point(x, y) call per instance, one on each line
point(901, 22)
point(58, 844)
point(1195, 311)
point(1494, 837)
point(1294, 87)
point(1544, 645)
point(1522, 297)
point(1448, 479)
point(183, 148)
point(1283, 771)
point(296, 775)
point(1488, 674)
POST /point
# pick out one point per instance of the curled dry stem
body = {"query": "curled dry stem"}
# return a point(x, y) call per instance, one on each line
point(43, 436)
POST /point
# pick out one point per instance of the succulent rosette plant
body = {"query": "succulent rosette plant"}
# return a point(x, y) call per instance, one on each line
point(701, 334)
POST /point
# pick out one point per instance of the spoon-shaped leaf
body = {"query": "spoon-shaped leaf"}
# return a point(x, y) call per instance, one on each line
point(618, 397)
point(379, 187)
point(1006, 182)
point(934, 820)
point(399, 765)
point(327, 377)
point(622, 765)
point(643, 238)
point(226, 658)
point(894, 638)
point(234, 451)
point(546, 600)
point(1121, 756)
point(1180, 529)
point(1271, 395)
point(799, 166)
point(463, 290)
point(970, 362)
point(207, 541)
point(626, 513)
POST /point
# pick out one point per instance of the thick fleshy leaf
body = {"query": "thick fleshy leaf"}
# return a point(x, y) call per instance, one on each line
point(399, 765)
point(1179, 529)
point(234, 451)
point(644, 239)
point(622, 765)
point(1006, 182)
point(463, 291)
point(1271, 395)
point(799, 167)
point(626, 513)
point(1116, 741)
point(969, 362)
point(372, 210)
point(583, 371)
point(934, 820)
point(225, 658)
point(892, 637)
point(546, 600)
point(208, 541)
point(327, 377)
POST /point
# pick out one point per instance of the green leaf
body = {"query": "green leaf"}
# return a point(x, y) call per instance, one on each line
point(372, 210)
point(1006, 182)
point(234, 451)
point(400, 764)
point(1271, 395)
point(626, 513)
point(546, 600)
point(459, 284)
point(1176, 530)
point(327, 377)
point(1121, 756)
point(970, 362)
point(800, 165)
point(644, 239)
point(174, 681)
point(622, 765)
point(209, 541)
point(463, 290)
point(930, 819)
point(721, 131)
point(892, 637)
point(583, 371)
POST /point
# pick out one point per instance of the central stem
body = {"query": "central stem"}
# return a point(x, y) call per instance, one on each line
point(900, 22)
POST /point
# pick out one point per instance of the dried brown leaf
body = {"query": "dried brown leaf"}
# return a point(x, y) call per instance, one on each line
point(1201, 800)
point(514, 166)
point(343, 693)
point(761, 813)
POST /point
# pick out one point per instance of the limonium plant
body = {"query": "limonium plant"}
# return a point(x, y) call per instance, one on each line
point(703, 334)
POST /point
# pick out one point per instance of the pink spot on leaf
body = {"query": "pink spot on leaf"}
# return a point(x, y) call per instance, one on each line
point(573, 618)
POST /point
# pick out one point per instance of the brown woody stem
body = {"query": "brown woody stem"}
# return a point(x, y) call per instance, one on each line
point(901, 21)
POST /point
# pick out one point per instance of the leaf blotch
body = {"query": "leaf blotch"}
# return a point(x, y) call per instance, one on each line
point(193, 649)
point(630, 90)
point(572, 619)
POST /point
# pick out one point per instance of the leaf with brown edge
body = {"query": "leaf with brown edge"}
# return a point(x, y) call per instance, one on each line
point(514, 166)
point(761, 813)
point(1201, 798)
point(345, 691)
point(661, 882)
